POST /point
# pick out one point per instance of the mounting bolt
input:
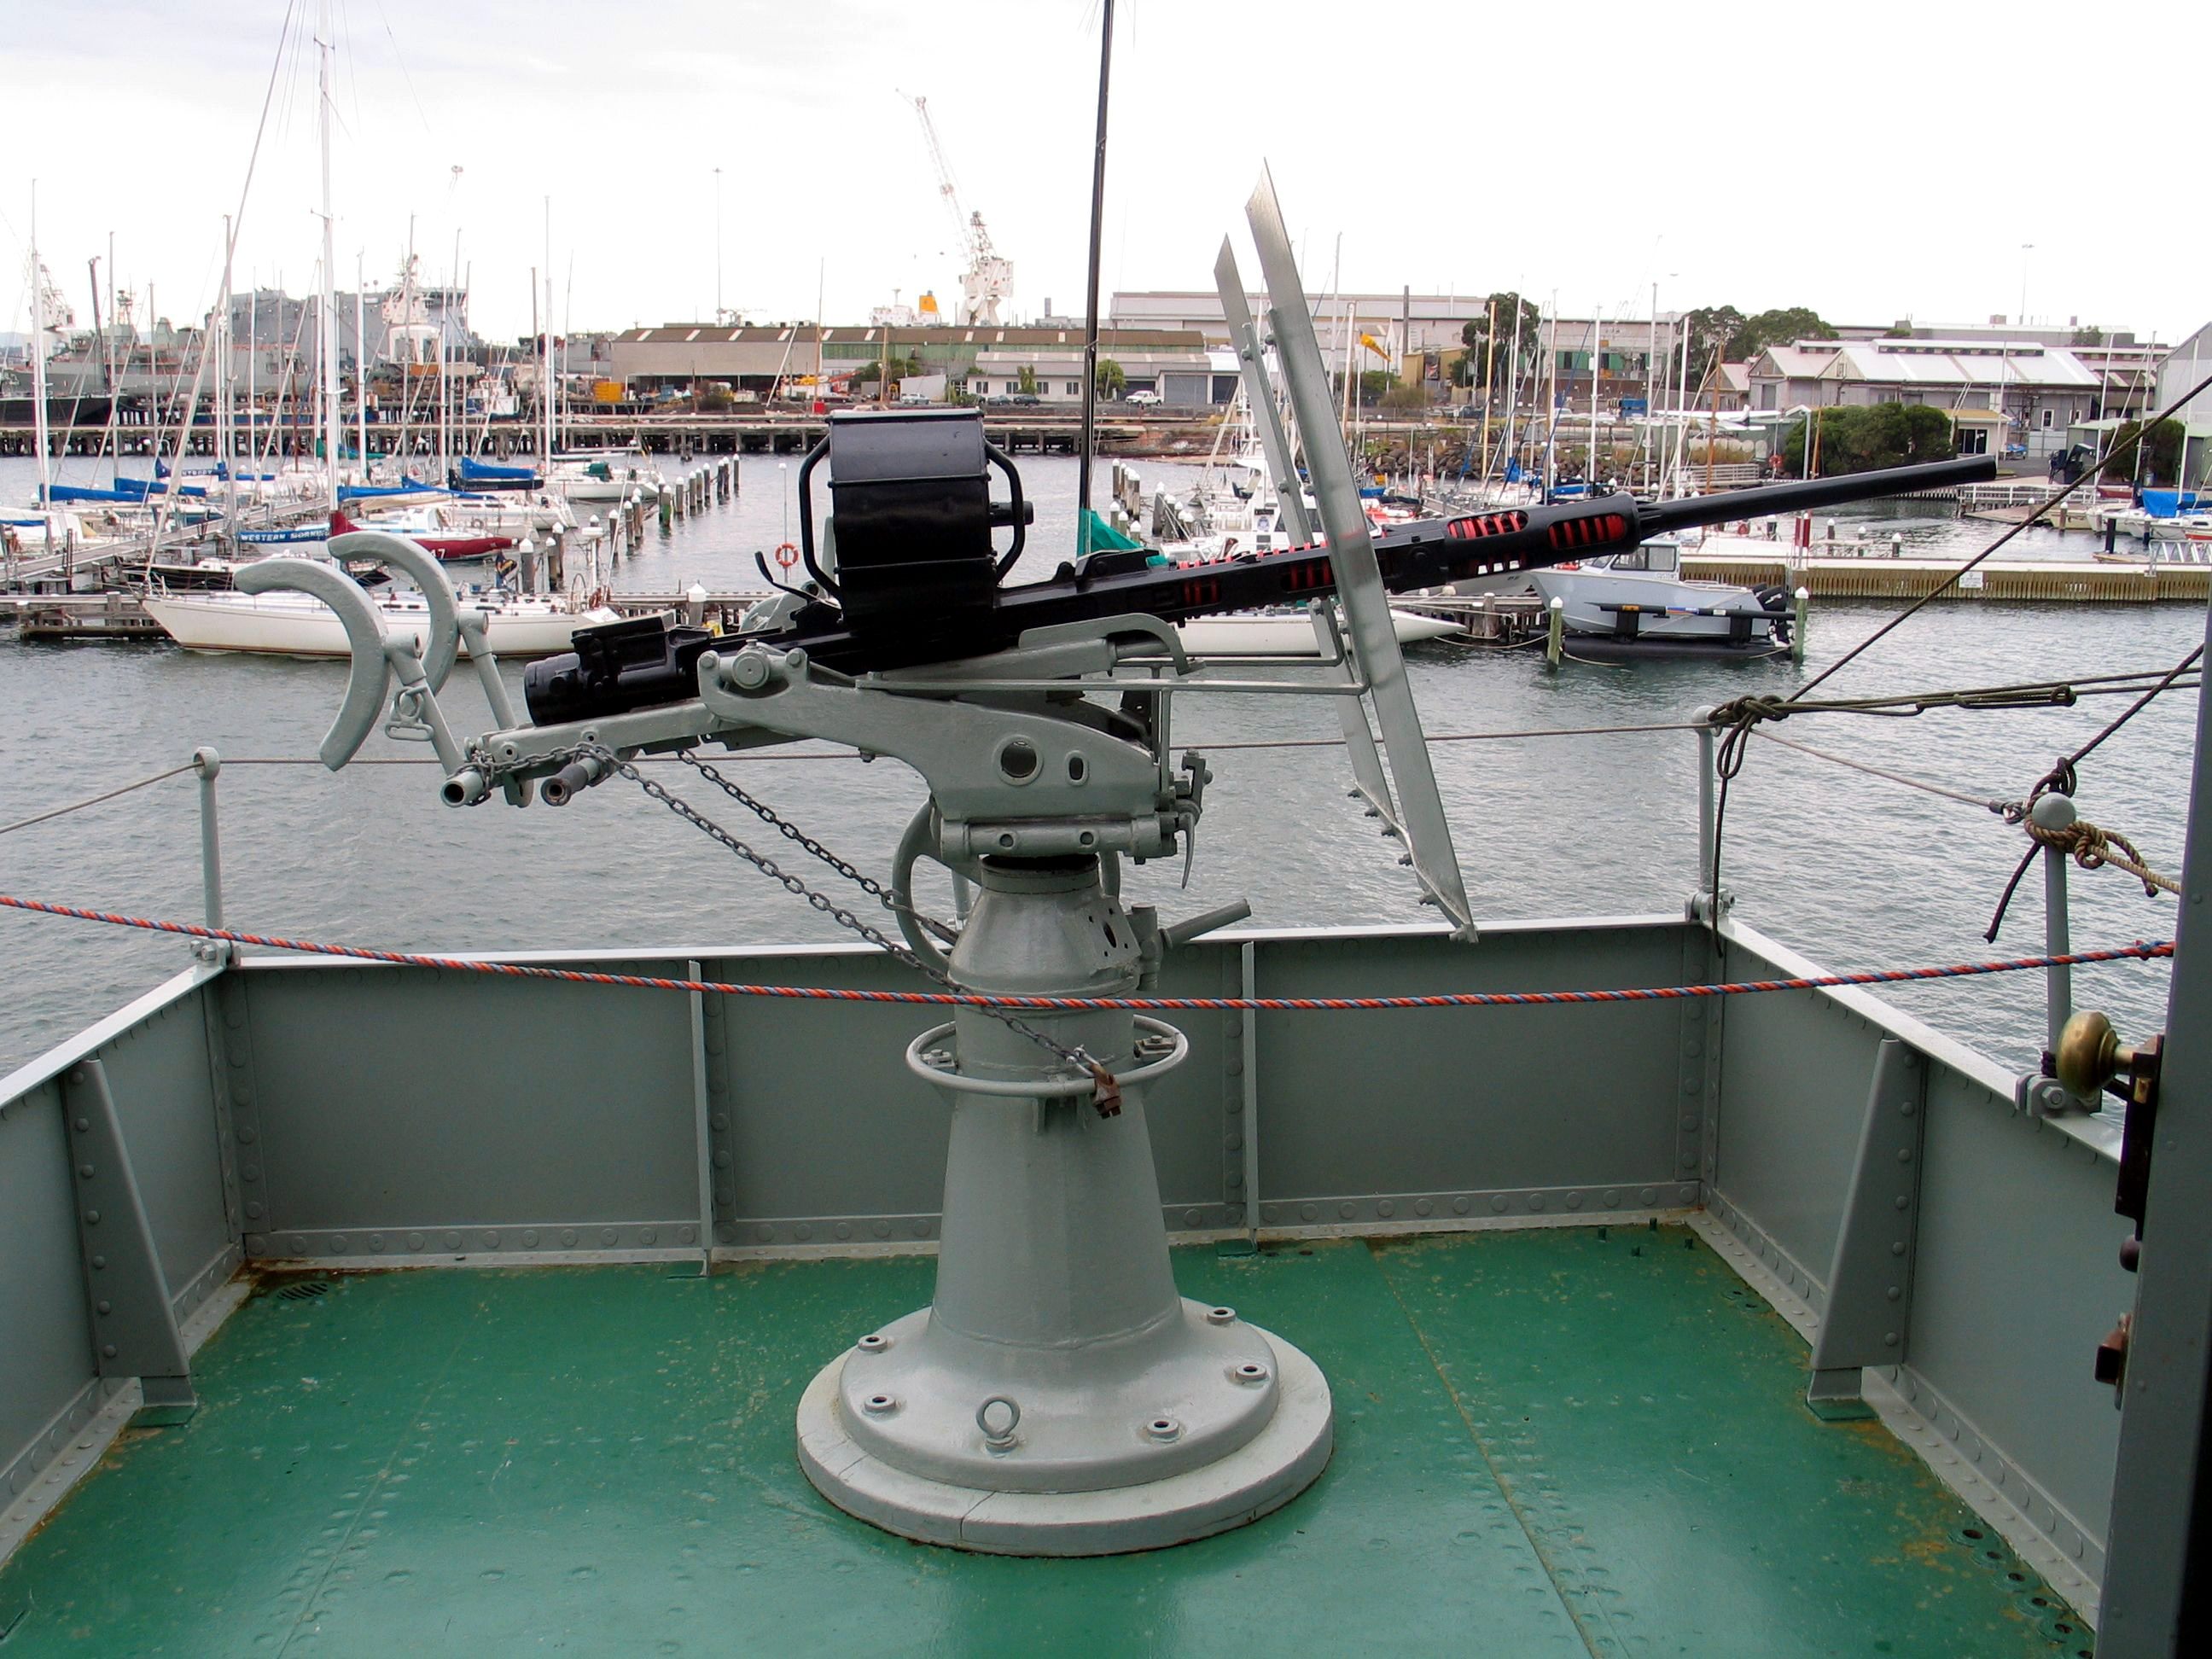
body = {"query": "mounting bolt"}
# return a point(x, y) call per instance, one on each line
point(1251, 1372)
point(880, 1405)
point(1163, 1430)
point(748, 670)
point(874, 1342)
point(1221, 1315)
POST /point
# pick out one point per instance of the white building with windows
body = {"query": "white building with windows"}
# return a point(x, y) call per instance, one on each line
point(1190, 377)
point(2036, 390)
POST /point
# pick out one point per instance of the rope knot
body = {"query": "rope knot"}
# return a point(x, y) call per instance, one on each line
point(1748, 711)
point(2092, 847)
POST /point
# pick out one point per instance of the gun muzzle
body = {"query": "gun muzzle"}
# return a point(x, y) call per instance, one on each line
point(465, 787)
point(572, 780)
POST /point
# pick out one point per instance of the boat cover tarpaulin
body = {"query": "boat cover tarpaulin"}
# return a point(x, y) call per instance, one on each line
point(1100, 537)
point(472, 468)
point(86, 493)
point(372, 492)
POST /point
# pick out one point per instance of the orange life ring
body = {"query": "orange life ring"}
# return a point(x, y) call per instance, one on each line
point(787, 555)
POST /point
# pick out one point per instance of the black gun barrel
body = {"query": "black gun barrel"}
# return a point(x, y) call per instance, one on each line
point(639, 664)
point(1804, 495)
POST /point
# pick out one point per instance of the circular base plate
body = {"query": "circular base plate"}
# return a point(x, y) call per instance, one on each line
point(1261, 1476)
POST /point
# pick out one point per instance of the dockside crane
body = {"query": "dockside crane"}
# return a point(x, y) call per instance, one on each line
point(989, 277)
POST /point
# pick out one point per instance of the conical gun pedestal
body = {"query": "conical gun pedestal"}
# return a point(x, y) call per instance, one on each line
point(1060, 1397)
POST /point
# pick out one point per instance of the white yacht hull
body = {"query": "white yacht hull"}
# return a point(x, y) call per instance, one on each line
point(285, 625)
point(1284, 634)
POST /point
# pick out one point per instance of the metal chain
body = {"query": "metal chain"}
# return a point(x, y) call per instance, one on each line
point(799, 838)
point(1109, 1099)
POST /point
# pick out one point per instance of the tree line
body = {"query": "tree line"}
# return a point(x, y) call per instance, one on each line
point(1717, 334)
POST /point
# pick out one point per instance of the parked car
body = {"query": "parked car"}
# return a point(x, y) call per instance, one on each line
point(1014, 400)
point(1143, 399)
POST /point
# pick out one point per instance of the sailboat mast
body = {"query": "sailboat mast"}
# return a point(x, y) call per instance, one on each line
point(538, 334)
point(361, 364)
point(1679, 427)
point(445, 399)
point(39, 373)
point(1552, 402)
point(329, 340)
point(1506, 447)
point(253, 365)
point(222, 442)
point(1597, 368)
point(545, 384)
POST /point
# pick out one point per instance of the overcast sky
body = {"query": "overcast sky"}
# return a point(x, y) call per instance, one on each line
point(1870, 160)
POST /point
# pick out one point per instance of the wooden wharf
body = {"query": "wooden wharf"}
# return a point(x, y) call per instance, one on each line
point(2066, 581)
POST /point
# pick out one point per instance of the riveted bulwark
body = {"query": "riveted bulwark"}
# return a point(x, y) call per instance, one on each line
point(1868, 1319)
point(133, 1313)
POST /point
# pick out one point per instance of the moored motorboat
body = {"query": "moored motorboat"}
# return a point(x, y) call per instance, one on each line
point(604, 476)
point(1637, 604)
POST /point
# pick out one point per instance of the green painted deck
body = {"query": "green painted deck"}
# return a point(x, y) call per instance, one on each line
point(1553, 1441)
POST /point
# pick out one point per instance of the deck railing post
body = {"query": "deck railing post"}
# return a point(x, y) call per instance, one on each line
point(1701, 904)
point(207, 762)
point(2041, 1091)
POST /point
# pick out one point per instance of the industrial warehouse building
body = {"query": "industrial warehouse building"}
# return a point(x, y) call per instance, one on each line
point(1174, 363)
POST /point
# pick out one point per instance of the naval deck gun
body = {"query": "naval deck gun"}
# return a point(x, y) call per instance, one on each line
point(1059, 1397)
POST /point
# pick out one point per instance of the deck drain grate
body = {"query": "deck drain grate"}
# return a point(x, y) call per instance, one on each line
point(306, 1290)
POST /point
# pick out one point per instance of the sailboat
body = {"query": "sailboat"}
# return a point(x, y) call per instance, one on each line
point(430, 540)
point(294, 624)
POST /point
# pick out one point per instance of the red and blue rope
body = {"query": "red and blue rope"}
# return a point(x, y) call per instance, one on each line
point(2141, 950)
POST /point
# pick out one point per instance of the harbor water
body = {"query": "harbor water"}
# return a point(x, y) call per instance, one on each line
point(1855, 870)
